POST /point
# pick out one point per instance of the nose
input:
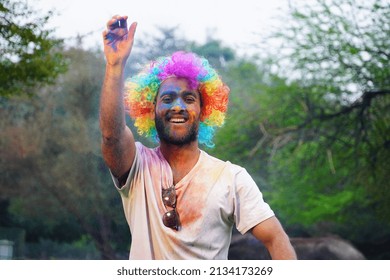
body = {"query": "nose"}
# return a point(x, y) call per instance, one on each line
point(178, 105)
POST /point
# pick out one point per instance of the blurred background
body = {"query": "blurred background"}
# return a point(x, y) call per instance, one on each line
point(309, 116)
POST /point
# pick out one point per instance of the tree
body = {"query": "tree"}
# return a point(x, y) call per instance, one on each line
point(327, 129)
point(311, 120)
point(29, 55)
point(237, 140)
point(54, 175)
point(149, 47)
point(215, 52)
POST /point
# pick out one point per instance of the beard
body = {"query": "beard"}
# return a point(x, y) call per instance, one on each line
point(164, 135)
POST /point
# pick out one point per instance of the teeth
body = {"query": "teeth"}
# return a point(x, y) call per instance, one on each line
point(177, 120)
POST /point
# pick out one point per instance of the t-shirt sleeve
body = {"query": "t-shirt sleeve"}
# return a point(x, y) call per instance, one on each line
point(124, 190)
point(250, 208)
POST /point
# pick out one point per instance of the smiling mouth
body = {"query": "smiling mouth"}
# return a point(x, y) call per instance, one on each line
point(177, 120)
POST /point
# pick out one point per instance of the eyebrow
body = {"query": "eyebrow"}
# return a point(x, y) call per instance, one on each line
point(164, 93)
point(185, 93)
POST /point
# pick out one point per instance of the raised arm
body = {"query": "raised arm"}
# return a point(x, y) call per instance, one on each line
point(118, 145)
point(273, 236)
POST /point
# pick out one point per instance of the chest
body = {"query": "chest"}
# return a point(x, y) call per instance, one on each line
point(203, 199)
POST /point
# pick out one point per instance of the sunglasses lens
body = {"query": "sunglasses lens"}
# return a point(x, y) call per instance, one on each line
point(169, 197)
point(171, 219)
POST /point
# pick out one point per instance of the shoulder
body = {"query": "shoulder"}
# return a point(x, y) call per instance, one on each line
point(146, 156)
point(209, 161)
point(141, 148)
point(230, 169)
point(144, 151)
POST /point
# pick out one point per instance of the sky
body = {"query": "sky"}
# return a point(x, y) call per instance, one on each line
point(237, 24)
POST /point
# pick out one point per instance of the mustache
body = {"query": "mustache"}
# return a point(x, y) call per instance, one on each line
point(182, 114)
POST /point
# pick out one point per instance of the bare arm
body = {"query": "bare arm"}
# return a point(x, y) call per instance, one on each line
point(272, 234)
point(118, 146)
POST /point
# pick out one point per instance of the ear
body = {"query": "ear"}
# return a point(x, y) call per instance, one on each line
point(201, 117)
point(153, 113)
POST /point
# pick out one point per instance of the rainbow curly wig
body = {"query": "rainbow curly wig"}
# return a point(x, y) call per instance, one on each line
point(141, 91)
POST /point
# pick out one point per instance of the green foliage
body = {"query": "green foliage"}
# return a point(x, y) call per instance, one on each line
point(310, 185)
point(329, 125)
point(54, 175)
point(29, 56)
point(216, 54)
point(46, 249)
point(237, 140)
point(339, 43)
point(311, 120)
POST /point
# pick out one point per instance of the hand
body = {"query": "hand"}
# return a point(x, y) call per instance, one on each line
point(118, 40)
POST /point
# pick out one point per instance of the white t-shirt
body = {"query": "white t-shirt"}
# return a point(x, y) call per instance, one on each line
point(210, 199)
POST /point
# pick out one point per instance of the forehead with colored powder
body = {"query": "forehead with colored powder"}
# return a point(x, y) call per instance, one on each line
point(177, 85)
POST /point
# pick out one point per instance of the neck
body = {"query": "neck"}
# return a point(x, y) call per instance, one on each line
point(177, 155)
point(181, 158)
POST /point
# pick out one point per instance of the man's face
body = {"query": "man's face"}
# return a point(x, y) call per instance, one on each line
point(177, 112)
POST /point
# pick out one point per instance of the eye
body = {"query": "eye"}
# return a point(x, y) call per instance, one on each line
point(166, 99)
point(189, 99)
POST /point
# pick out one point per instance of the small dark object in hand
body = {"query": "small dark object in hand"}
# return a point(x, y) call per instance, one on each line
point(118, 24)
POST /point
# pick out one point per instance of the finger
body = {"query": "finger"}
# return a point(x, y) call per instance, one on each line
point(106, 36)
point(110, 37)
point(117, 22)
point(111, 21)
point(132, 29)
point(120, 23)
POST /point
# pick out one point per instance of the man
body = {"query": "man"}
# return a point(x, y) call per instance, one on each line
point(179, 202)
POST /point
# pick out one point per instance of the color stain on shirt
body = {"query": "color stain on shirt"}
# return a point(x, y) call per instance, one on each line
point(193, 193)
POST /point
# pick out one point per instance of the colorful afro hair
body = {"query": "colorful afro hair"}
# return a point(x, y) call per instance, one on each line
point(141, 91)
